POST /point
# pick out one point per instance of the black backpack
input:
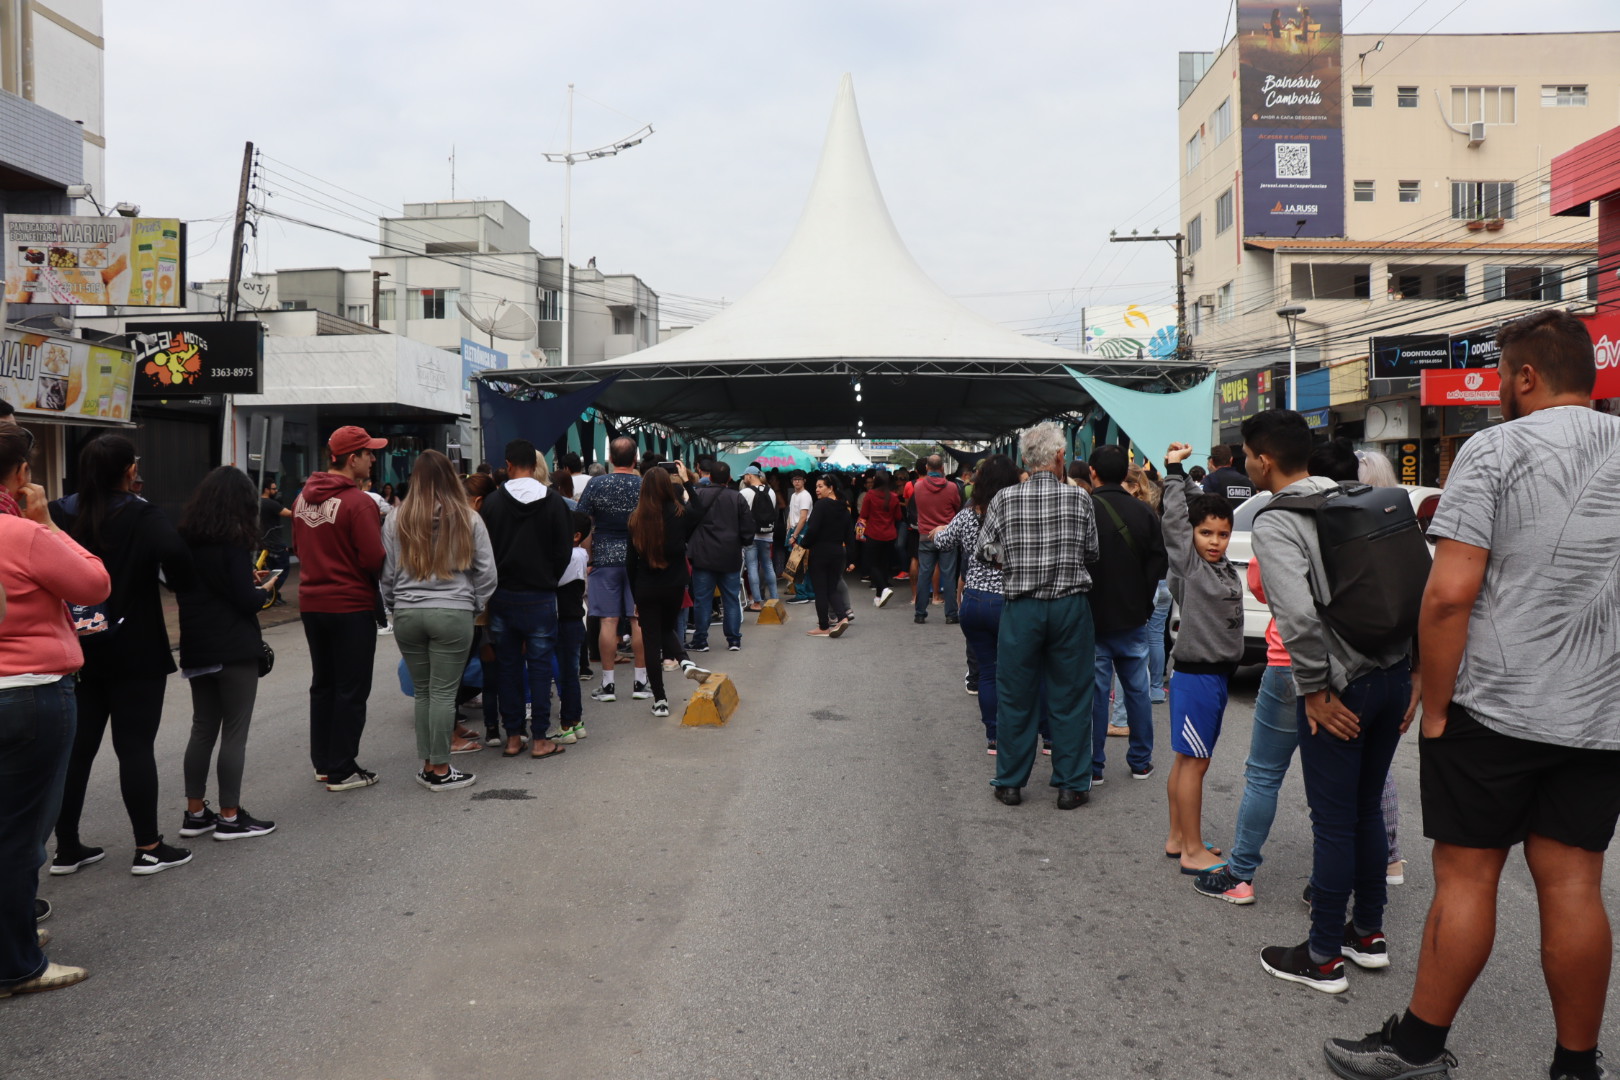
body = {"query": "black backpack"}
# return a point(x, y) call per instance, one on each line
point(764, 513)
point(1376, 559)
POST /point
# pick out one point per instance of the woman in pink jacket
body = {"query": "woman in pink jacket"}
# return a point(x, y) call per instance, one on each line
point(41, 571)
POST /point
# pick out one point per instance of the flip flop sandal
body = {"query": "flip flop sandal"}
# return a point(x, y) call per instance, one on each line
point(559, 751)
point(465, 746)
point(513, 753)
point(1205, 870)
point(1209, 847)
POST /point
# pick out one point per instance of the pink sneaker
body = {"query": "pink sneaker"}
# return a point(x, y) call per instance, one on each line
point(1224, 886)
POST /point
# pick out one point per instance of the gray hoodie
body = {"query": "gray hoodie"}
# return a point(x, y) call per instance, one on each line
point(1210, 594)
point(1293, 573)
point(467, 590)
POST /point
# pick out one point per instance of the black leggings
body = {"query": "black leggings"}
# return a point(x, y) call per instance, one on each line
point(826, 569)
point(879, 560)
point(133, 708)
point(658, 610)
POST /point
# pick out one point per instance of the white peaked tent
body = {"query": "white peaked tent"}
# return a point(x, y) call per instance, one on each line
point(844, 306)
point(847, 456)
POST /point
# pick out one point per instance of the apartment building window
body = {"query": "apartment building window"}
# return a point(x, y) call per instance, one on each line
point(1563, 97)
point(1195, 233)
point(1361, 97)
point(1492, 104)
point(1410, 190)
point(358, 312)
point(550, 305)
point(1220, 121)
point(1472, 200)
point(1224, 211)
point(1363, 190)
point(1425, 281)
point(1223, 302)
point(1331, 281)
point(433, 304)
point(385, 306)
point(1524, 283)
point(1406, 97)
point(1193, 152)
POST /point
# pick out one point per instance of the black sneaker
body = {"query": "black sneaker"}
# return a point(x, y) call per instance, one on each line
point(244, 826)
point(640, 691)
point(198, 824)
point(584, 674)
point(801, 600)
point(1142, 774)
point(42, 909)
point(698, 648)
point(69, 859)
point(1307, 894)
point(919, 619)
point(1373, 1057)
point(358, 779)
point(1222, 884)
point(492, 736)
point(660, 707)
point(952, 620)
point(734, 648)
point(1296, 965)
point(970, 684)
point(448, 781)
point(158, 859)
point(1370, 952)
point(693, 672)
point(1602, 1072)
point(604, 693)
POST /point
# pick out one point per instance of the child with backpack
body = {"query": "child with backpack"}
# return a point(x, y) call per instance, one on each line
point(1197, 529)
point(1343, 568)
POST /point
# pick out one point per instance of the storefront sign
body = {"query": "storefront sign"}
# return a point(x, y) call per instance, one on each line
point(194, 358)
point(1475, 349)
point(128, 262)
point(42, 375)
point(476, 358)
point(1318, 419)
point(1408, 461)
point(1292, 119)
point(1480, 386)
point(1242, 396)
point(1408, 356)
point(1468, 419)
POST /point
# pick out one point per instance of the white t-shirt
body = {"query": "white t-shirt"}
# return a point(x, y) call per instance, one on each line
point(382, 504)
point(800, 500)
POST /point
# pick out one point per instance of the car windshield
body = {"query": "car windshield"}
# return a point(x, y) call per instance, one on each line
point(1243, 516)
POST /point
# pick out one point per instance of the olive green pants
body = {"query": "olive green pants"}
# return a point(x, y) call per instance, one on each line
point(435, 643)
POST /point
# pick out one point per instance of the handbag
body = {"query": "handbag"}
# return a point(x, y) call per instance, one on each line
point(267, 658)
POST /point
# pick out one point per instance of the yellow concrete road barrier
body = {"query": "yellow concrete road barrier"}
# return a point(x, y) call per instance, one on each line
point(774, 613)
point(713, 703)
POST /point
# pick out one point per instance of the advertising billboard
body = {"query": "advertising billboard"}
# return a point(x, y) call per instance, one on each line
point(195, 358)
point(1408, 356)
point(1239, 397)
point(1289, 64)
point(1127, 330)
point(45, 376)
point(126, 262)
point(476, 358)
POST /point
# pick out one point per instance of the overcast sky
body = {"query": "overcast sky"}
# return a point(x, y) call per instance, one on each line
point(1008, 138)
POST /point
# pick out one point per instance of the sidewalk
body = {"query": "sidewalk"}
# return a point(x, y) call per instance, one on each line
point(279, 615)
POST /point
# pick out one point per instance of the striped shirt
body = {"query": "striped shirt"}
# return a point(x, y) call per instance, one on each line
point(1046, 533)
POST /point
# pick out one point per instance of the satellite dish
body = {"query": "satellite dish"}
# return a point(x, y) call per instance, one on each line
point(502, 320)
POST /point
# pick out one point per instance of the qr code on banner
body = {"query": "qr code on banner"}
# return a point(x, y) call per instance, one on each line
point(1293, 161)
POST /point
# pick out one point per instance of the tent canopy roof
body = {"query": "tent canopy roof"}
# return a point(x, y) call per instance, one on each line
point(845, 302)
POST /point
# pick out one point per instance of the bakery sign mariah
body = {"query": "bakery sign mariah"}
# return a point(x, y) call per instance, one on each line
point(125, 262)
point(45, 376)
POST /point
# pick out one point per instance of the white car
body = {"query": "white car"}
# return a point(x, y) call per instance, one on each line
point(1255, 614)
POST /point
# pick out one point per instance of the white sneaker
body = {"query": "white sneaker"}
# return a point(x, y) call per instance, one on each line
point(882, 598)
point(693, 672)
point(660, 707)
point(385, 631)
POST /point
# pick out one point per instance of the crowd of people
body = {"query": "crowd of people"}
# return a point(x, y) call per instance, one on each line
point(1061, 574)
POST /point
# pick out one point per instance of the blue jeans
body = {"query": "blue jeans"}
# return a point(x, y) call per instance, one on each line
point(1156, 655)
point(1344, 785)
point(981, 622)
point(570, 640)
point(927, 557)
point(524, 626)
point(761, 574)
point(1124, 652)
point(703, 586)
point(37, 724)
point(1054, 639)
point(1272, 742)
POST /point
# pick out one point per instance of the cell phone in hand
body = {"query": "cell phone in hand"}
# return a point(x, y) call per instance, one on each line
point(270, 581)
point(672, 467)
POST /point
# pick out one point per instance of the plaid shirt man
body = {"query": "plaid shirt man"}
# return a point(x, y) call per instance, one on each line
point(1047, 532)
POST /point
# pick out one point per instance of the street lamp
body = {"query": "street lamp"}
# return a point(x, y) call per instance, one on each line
point(567, 159)
point(1292, 314)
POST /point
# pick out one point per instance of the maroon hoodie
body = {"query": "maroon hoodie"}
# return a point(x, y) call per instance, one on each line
point(337, 535)
point(937, 501)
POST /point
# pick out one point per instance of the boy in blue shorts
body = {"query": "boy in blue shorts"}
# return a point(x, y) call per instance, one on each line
point(1197, 528)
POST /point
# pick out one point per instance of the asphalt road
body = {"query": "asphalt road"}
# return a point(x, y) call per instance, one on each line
point(824, 888)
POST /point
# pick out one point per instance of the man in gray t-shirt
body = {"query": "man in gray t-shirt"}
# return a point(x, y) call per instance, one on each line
point(1521, 709)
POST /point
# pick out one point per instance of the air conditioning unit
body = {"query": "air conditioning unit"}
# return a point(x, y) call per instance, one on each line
point(1388, 421)
point(1476, 133)
point(1207, 301)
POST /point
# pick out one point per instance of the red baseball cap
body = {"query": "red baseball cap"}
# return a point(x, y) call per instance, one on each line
point(347, 440)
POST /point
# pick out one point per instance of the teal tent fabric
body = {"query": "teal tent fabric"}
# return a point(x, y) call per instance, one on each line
point(1154, 421)
point(774, 455)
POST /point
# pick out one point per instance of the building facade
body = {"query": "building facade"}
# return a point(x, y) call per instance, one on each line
point(1447, 226)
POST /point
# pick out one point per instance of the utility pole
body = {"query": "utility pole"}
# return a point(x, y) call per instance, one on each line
point(234, 284)
point(376, 297)
point(227, 439)
point(1177, 241)
point(567, 159)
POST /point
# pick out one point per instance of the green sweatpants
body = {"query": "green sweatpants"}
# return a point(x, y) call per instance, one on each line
point(1054, 639)
point(435, 643)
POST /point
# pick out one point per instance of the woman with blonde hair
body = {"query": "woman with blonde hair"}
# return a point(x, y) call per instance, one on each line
point(438, 574)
